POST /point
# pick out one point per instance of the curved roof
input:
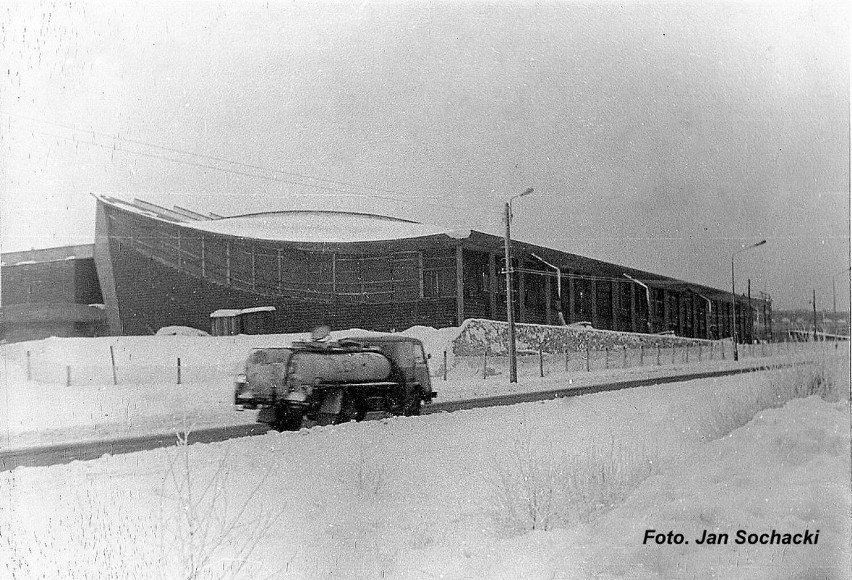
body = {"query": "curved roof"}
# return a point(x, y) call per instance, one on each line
point(319, 226)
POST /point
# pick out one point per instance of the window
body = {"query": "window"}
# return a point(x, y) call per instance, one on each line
point(439, 276)
point(604, 298)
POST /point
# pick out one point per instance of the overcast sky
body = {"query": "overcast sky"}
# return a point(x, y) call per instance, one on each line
point(659, 136)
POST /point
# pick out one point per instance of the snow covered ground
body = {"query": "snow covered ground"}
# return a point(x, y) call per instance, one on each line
point(556, 489)
point(147, 399)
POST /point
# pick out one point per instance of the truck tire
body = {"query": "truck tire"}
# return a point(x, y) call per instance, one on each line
point(324, 419)
point(413, 405)
point(351, 410)
point(287, 419)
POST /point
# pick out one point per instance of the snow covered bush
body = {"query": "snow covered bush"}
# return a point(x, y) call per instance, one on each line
point(535, 487)
point(795, 381)
point(209, 535)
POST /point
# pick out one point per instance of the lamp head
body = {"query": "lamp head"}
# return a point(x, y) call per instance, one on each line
point(527, 191)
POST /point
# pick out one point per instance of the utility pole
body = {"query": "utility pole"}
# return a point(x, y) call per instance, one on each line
point(734, 296)
point(815, 322)
point(510, 309)
point(749, 320)
point(834, 305)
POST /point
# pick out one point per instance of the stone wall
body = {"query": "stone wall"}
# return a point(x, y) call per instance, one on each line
point(479, 335)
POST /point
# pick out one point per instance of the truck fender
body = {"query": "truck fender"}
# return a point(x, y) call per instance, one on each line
point(332, 402)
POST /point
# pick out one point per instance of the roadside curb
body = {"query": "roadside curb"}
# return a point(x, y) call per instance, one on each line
point(87, 450)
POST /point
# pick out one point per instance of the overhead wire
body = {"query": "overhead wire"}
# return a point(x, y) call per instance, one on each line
point(394, 195)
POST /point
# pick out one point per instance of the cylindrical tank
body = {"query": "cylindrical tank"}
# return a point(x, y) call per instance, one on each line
point(339, 367)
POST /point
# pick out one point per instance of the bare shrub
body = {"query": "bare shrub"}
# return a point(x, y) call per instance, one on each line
point(209, 536)
point(535, 488)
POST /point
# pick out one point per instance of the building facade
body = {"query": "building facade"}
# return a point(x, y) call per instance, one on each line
point(50, 292)
point(159, 267)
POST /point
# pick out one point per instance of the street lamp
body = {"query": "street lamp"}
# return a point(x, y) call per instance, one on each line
point(734, 295)
point(647, 298)
point(510, 313)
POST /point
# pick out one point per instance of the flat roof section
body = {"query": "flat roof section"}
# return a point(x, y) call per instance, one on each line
point(322, 226)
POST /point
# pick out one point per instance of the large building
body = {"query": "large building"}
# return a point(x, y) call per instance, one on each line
point(50, 292)
point(162, 267)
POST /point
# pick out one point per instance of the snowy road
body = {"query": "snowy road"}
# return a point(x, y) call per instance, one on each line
point(92, 449)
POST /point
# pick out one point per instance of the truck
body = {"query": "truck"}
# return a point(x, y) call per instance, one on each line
point(333, 382)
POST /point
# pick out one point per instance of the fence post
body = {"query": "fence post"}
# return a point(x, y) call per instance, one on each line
point(178, 370)
point(540, 363)
point(606, 357)
point(699, 351)
point(445, 365)
point(658, 354)
point(112, 361)
point(29, 368)
point(673, 353)
point(687, 354)
point(67, 375)
point(588, 365)
point(723, 350)
point(485, 364)
point(641, 355)
point(566, 359)
point(624, 366)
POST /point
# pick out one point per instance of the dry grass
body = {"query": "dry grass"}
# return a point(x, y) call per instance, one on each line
point(535, 487)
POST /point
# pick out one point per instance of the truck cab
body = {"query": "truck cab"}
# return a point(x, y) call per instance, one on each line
point(408, 355)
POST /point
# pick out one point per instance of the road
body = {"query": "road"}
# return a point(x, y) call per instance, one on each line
point(87, 450)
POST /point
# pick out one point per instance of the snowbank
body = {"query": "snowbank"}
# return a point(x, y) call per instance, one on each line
point(414, 497)
point(143, 396)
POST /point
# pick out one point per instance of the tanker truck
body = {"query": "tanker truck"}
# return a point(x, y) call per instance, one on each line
point(332, 382)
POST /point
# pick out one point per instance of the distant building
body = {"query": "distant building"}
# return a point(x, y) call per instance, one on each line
point(160, 267)
point(50, 292)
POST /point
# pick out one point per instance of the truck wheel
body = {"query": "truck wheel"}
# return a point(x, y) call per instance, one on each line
point(351, 410)
point(413, 406)
point(326, 419)
point(287, 419)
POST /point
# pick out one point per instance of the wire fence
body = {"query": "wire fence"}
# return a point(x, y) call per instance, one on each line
point(542, 364)
point(107, 370)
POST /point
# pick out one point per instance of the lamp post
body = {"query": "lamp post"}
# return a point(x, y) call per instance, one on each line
point(510, 311)
point(647, 297)
point(734, 295)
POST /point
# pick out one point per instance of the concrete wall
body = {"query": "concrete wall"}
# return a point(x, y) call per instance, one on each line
point(478, 335)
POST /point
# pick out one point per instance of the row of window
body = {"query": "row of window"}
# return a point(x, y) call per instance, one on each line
point(265, 269)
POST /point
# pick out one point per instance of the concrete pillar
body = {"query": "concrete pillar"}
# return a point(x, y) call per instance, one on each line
point(228, 262)
point(614, 287)
point(492, 285)
point(459, 284)
point(522, 292)
point(666, 313)
point(681, 314)
point(547, 300)
point(634, 318)
point(708, 319)
point(695, 316)
point(594, 293)
point(569, 318)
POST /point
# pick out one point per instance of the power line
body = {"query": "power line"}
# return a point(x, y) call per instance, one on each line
point(225, 160)
point(339, 192)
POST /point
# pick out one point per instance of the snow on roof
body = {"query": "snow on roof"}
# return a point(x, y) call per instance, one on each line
point(225, 312)
point(257, 309)
point(228, 312)
point(322, 226)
